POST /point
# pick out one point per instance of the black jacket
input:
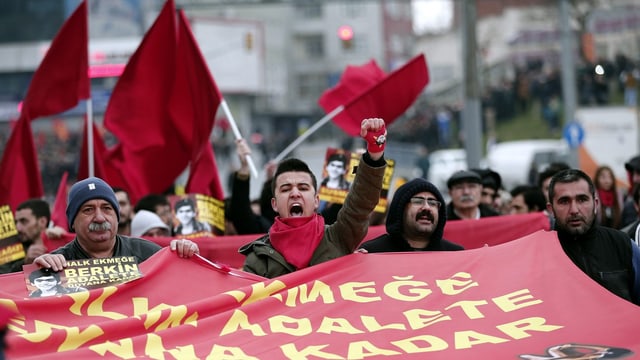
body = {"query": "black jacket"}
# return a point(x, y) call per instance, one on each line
point(605, 255)
point(393, 240)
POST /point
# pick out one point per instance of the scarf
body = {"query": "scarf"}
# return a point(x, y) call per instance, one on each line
point(297, 238)
point(607, 197)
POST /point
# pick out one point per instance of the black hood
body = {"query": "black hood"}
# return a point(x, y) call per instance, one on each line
point(402, 196)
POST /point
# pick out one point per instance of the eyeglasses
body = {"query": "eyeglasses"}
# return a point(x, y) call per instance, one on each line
point(420, 201)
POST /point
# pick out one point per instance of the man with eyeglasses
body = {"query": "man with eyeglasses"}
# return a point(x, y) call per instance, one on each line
point(415, 221)
point(465, 190)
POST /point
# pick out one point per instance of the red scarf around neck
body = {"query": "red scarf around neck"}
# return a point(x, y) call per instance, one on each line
point(607, 197)
point(297, 238)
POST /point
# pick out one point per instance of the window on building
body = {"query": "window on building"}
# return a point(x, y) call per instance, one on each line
point(311, 86)
point(309, 9)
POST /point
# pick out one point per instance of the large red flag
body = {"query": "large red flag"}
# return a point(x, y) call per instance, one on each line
point(203, 175)
point(151, 153)
point(62, 78)
point(387, 99)
point(19, 170)
point(58, 213)
point(194, 104)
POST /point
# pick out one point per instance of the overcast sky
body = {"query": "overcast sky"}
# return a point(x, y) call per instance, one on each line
point(432, 15)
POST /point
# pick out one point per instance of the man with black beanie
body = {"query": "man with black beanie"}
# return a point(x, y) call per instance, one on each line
point(415, 221)
point(93, 213)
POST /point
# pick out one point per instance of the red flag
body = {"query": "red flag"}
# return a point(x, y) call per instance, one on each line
point(19, 169)
point(62, 78)
point(138, 114)
point(387, 99)
point(203, 175)
point(58, 213)
point(194, 104)
point(196, 97)
point(354, 81)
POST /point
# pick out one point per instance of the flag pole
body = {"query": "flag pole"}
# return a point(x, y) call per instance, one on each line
point(90, 137)
point(308, 133)
point(238, 136)
point(90, 150)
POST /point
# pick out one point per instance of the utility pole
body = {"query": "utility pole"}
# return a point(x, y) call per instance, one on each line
point(568, 74)
point(471, 111)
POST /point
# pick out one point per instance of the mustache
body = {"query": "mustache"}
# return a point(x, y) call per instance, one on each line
point(94, 226)
point(425, 214)
point(467, 198)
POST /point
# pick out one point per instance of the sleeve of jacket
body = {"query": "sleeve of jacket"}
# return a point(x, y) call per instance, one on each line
point(352, 222)
point(240, 213)
point(636, 272)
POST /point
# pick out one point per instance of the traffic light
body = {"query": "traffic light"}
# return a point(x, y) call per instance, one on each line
point(345, 34)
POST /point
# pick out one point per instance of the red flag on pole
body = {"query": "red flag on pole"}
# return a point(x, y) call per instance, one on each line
point(139, 114)
point(354, 81)
point(387, 99)
point(194, 104)
point(19, 170)
point(58, 213)
point(62, 78)
point(203, 175)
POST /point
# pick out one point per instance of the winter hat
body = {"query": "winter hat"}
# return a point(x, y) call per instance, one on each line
point(489, 178)
point(144, 221)
point(402, 196)
point(464, 176)
point(633, 164)
point(89, 189)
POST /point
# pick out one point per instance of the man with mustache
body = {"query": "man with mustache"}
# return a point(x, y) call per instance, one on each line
point(298, 237)
point(415, 221)
point(93, 214)
point(465, 190)
point(606, 255)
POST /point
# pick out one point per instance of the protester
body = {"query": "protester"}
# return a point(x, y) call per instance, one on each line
point(415, 221)
point(126, 211)
point(156, 203)
point(629, 213)
point(32, 218)
point(298, 237)
point(148, 224)
point(491, 187)
point(544, 178)
point(93, 213)
point(245, 220)
point(527, 199)
point(633, 229)
point(606, 255)
point(465, 190)
point(610, 199)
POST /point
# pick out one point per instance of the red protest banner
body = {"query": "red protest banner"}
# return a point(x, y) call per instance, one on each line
point(484, 303)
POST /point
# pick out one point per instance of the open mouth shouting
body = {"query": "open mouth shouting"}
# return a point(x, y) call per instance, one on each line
point(296, 209)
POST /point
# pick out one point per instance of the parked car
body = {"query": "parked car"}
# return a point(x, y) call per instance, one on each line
point(516, 160)
point(443, 163)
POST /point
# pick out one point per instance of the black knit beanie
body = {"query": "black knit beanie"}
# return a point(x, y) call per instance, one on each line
point(89, 189)
point(402, 196)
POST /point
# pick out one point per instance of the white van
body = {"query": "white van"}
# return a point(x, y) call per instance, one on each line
point(514, 160)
